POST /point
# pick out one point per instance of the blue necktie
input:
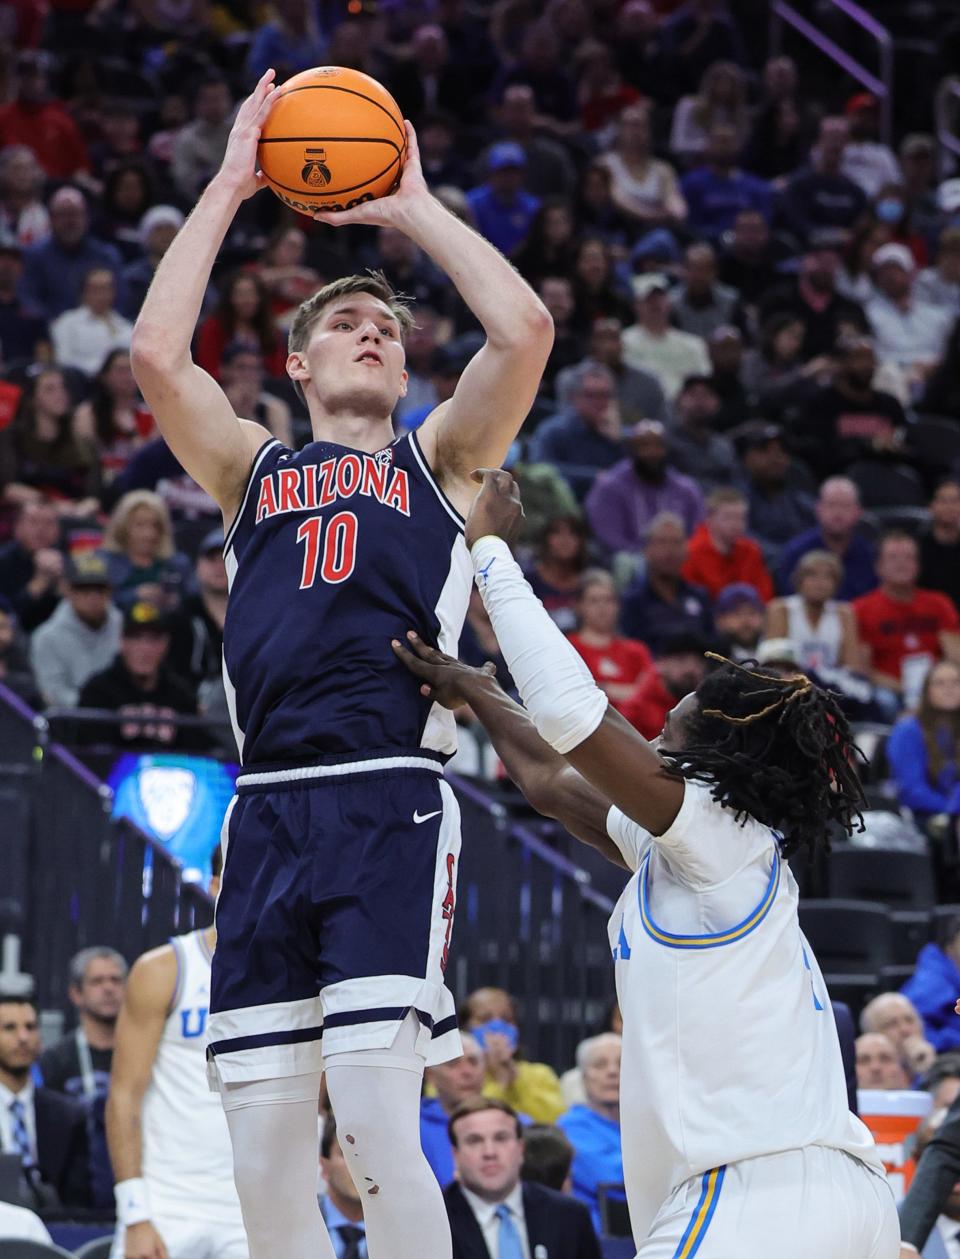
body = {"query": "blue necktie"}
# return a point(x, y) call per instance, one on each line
point(352, 1237)
point(510, 1247)
point(21, 1138)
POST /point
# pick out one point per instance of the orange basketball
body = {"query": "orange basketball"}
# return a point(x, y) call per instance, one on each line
point(333, 138)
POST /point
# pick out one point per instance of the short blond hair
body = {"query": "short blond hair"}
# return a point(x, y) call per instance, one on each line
point(373, 282)
point(117, 531)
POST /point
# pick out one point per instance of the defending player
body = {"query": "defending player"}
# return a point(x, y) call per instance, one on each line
point(737, 1139)
point(339, 886)
point(168, 1138)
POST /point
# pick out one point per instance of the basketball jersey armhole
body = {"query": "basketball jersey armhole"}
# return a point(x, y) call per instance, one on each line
point(181, 962)
point(254, 467)
point(433, 482)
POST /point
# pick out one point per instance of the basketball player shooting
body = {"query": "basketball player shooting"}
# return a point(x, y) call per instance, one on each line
point(737, 1138)
point(338, 895)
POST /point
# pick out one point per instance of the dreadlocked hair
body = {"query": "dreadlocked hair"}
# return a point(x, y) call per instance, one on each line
point(774, 748)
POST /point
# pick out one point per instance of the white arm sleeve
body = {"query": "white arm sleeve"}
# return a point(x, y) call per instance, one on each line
point(554, 683)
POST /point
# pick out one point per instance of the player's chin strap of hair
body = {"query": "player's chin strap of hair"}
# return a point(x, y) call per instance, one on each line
point(554, 683)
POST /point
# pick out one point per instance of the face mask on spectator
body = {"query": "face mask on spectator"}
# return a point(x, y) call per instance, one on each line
point(889, 210)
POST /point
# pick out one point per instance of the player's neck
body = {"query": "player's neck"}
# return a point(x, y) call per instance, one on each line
point(611, 1112)
point(15, 1081)
point(99, 1033)
point(359, 432)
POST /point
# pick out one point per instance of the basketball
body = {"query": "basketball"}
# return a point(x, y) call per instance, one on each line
point(333, 139)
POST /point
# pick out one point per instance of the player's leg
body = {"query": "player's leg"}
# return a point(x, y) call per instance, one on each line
point(375, 1096)
point(273, 1129)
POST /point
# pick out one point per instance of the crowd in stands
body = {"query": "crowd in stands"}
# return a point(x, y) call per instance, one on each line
point(747, 439)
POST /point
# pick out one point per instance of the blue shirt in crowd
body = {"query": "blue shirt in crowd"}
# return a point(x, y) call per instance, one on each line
point(434, 1140)
point(53, 275)
point(859, 577)
point(916, 788)
point(503, 224)
point(715, 200)
point(933, 988)
point(597, 1159)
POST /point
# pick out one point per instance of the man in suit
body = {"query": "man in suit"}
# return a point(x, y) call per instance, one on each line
point(341, 1206)
point(930, 1213)
point(46, 1128)
point(492, 1214)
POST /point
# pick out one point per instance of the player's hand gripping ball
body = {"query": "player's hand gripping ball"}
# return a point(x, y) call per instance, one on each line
point(334, 139)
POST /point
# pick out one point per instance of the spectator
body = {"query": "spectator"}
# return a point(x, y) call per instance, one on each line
point(652, 345)
point(923, 750)
point(451, 1083)
point(701, 305)
point(141, 689)
point(502, 208)
point(838, 515)
point(616, 663)
point(855, 277)
point(243, 315)
point(549, 170)
point(31, 563)
point(866, 161)
point(139, 549)
point(114, 418)
point(774, 370)
point(893, 1015)
point(638, 393)
point(156, 467)
point(45, 1128)
point(597, 212)
point(813, 299)
point(778, 144)
point(41, 124)
point(888, 210)
point(596, 295)
point(24, 220)
point(532, 1087)
point(40, 453)
point(919, 167)
point(128, 194)
point(821, 195)
point(695, 37)
point(23, 334)
point(547, 1157)
point(777, 510)
point(82, 636)
point(941, 392)
point(560, 562)
point(878, 1066)
point(196, 647)
point(694, 446)
point(848, 419)
point(290, 41)
point(241, 378)
point(15, 672)
point(79, 1064)
point(594, 1128)
point(642, 187)
point(448, 362)
point(540, 65)
point(341, 1206)
point(822, 631)
point(199, 147)
point(940, 285)
point(721, 553)
point(726, 349)
point(679, 668)
point(748, 259)
point(625, 499)
point(549, 249)
point(427, 78)
point(84, 336)
point(937, 971)
point(942, 1081)
point(909, 332)
point(602, 90)
point(721, 101)
point(905, 628)
point(940, 542)
point(57, 267)
point(585, 435)
point(409, 270)
point(490, 1211)
point(285, 275)
point(158, 227)
point(556, 293)
point(738, 614)
point(718, 191)
point(660, 604)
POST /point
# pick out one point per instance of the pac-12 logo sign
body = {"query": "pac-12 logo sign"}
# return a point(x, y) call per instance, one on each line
point(315, 172)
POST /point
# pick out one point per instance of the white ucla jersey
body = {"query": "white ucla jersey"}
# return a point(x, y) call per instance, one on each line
point(187, 1160)
point(730, 1048)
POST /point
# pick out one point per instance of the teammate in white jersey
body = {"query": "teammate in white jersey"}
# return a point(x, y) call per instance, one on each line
point(167, 1132)
point(737, 1138)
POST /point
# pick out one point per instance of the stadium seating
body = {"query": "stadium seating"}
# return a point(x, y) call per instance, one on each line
point(900, 879)
point(849, 937)
point(99, 1248)
point(16, 1248)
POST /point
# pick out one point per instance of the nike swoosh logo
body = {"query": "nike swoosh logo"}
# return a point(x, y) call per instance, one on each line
point(419, 817)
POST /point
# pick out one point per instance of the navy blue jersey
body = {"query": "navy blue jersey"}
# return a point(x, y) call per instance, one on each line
point(333, 553)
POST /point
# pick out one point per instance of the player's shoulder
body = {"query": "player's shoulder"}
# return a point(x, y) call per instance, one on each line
point(153, 976)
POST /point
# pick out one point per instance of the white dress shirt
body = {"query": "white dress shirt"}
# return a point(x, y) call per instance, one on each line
point(83, 340)
point(949, 1230)
point(6, 1119)
point(908, 336)
point(486, 1213)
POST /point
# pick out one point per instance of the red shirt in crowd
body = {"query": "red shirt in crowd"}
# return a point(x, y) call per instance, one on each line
point(50, 131)
point(647, 708)
point(621, 663)
point(894, 629)
point(708, 567)
point(212, 340)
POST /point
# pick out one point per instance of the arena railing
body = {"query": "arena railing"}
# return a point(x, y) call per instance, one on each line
point(880, 85)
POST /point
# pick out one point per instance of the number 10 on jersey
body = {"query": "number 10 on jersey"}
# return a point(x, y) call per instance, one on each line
point(333, 549)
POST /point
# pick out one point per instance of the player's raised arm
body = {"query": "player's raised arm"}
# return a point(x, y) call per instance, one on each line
point(552, 786)
point(139, 1028)
point(192, 411)
point(495, 393)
